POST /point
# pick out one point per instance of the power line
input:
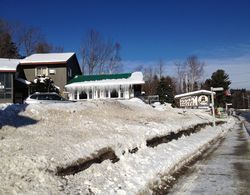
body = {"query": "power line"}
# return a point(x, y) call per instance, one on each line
point(239, 73)
point(241, 82)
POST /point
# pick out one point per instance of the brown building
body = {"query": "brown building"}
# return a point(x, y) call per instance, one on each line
point(60, 67)
point(17, 77)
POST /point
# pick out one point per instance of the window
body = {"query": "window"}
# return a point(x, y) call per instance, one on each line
point(75, 95)
point(52, 71)
point(54, 97)
point(121, 92)
point(6, 85)
point(83, 95)
point(43, 97)
point(41, 71)
point(69, 72)
point(98, 93)
point(90, 94)
point(114, 94)
point(106, 93)
point(33, 97)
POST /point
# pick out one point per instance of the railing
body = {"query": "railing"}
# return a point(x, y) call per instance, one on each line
point(150, 99)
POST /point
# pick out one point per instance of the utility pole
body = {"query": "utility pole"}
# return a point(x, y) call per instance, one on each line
point(212, 97)
point(248, 100)
point(186, 80)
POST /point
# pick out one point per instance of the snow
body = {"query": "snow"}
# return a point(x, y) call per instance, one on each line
point(221, 169)
point(24, 81)
point(162, 107)
point(8, 64)
point(135, 78)
point(206, 92)
point(47, 58)
point(36, 139)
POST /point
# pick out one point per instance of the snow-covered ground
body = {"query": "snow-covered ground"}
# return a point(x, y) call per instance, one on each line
point(38, 140)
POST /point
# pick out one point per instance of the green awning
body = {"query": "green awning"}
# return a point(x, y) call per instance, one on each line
point(83, 78)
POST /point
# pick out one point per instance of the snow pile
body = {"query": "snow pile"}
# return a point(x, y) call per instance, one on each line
point(38, 141)
point(162, 107)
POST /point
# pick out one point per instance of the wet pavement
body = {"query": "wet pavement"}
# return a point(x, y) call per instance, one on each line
point(225, 170)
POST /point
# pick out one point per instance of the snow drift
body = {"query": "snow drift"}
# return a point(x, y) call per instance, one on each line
point(105, 141)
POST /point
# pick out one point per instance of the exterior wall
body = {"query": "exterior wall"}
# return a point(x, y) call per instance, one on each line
point(59, 78)
point(7, 87)
point(73, 68)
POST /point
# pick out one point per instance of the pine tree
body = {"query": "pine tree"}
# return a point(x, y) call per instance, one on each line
point(220, 79)
point(8, 48)
point(165, 90)
point(44, 84)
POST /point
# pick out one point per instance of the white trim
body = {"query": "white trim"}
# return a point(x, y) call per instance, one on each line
point(205, 92)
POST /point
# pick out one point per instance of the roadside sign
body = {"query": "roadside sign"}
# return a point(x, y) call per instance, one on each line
point(189, 101)
point(217, 89)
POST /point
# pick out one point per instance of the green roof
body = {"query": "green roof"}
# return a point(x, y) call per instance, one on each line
point(83, 78)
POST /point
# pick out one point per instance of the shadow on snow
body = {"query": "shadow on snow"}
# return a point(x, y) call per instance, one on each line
point(10, 116)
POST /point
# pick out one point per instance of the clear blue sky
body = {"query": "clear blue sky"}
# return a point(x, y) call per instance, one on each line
point(218, 32)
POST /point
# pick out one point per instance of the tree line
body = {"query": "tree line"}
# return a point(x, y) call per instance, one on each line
point(102, 56)
point(99, 55)
point(18, 41)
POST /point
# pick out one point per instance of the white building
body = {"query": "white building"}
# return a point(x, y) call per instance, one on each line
point(120, 86)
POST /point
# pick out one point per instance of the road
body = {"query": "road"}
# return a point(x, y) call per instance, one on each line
point(226, 170)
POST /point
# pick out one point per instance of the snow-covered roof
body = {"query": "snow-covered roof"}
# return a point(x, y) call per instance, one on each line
point(106, 80)
point(205, 92)
point(8, 64)
point(47, 58)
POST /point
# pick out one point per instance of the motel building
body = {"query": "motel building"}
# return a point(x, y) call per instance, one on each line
point(117, 86)
point(195, 99)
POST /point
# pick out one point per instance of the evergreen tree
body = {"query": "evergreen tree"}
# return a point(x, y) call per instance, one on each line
point(206, 85)
point(44, 84)
point(166, 90)
point(240, 98)
point(8, 48)
point(221, 79)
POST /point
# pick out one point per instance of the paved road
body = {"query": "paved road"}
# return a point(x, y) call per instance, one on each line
point(224, 171)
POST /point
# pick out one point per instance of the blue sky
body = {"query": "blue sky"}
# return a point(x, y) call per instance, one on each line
point(218, 32)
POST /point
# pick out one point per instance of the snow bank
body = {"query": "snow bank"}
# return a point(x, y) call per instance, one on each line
point(36, 140)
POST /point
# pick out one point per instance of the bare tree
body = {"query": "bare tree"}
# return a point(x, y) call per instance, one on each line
point(151, 81)
point(139, 68)
point(45, 47)
point(181, 72)
point(160, 68)
point(99, 55)
point(114, 64)
point(29, 38)
point(195, 70)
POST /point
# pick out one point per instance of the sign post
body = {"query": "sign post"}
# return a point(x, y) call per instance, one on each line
point(212, 97)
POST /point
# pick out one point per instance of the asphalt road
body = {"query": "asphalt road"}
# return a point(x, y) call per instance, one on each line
point(226, 170)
